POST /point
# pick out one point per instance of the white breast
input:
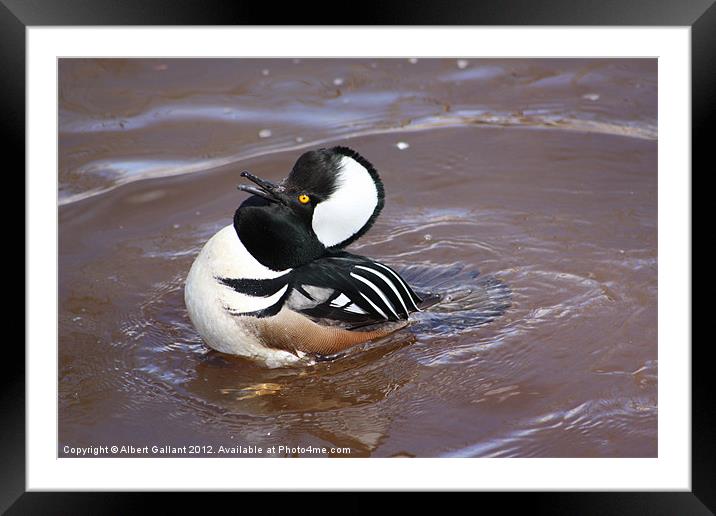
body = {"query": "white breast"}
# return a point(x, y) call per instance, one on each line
point(209, 302)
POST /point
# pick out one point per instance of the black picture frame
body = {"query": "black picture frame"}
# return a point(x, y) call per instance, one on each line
point(17, 15)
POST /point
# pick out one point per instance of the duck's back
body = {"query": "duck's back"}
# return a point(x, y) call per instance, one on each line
point(352, 290)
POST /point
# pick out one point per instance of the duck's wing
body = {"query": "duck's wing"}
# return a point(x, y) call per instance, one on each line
point(351, 289)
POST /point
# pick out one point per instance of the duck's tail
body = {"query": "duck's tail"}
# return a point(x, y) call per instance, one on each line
point(450, 289)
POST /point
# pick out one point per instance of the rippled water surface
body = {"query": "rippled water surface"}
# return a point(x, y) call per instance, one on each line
point(539, 173)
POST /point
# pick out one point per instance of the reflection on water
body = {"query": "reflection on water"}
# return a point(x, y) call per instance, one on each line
point(538, 173)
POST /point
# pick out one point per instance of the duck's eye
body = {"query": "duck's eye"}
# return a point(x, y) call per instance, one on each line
point(304, 199)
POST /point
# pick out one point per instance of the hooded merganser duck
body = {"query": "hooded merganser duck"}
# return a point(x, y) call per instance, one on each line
point(277, 285)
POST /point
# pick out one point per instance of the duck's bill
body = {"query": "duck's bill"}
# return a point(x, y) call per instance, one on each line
point(256, 191)
point(265, 189)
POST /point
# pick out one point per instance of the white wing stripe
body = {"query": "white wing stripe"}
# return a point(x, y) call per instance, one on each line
point(373, 305)
point(377, 291)
point(402, 283)
point(340, 301)
point(390, 283)
point(242, 303)
point(355, 309)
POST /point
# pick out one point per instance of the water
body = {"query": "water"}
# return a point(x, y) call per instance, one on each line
point(540, 173)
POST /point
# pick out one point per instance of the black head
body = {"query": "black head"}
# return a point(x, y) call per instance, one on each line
point(330, 198)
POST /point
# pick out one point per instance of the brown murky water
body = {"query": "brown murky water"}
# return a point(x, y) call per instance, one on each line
point(542, 173)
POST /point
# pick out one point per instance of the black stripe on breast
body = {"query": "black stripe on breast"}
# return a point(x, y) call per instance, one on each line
point(255, 287)
point(268, 311)
point(258, 288)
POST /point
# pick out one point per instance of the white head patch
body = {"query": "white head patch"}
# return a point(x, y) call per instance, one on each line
point(350, 206)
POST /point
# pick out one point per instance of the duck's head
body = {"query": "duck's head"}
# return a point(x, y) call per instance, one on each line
point(330, 198)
